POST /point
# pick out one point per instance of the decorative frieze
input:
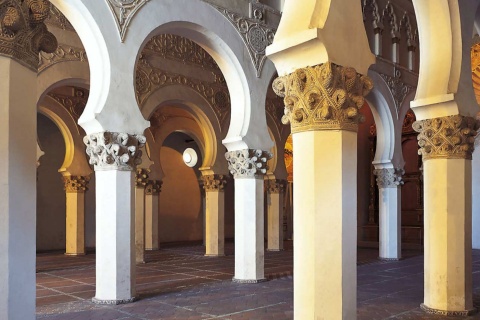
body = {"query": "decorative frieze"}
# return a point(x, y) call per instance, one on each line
point(24, 33)
point(153, 187)
point(141, 177)
point(114, 150)
point(123, 11)
point(323, 97)
point(248, 163)
point(75, 184)
point(276, 185)
point(449, 137)
point(63, 53)
point(214, 182)
point(389, 177)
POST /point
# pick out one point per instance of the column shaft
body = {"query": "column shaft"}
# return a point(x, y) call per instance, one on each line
point(275, 195)
point(325, 224)
point(151, 221)
point(140, 224)
point(215, 223)
point(75, 223)
point(476, 198)
point(390, 226)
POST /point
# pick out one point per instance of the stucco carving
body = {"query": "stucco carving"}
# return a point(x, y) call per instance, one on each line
point(372, 6)
point(75, 184)
point(389, 178)
point(57, 19)
point(114, 150)
point(24, 33)
point(323, 97)
point(63, 53)
point(398, 88)
point(248, 163)
point(475, 57)
point(276, 185)
point(449, 137)
point(256, 36)
point(75, 103)
point(123, 12)
point(153, 187)
point(214, 182)
point(411, 33)
point(141, 177)
point(389, 15)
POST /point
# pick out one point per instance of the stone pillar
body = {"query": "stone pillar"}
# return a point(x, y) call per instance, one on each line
point(446, 145)
point(115, 156)
point(75, 187)
point(152, 192)
point(275, 194)
point(214, 185)
point(321, 104)
point(23, 34)
point(141, 180)
point(389, 181)
point(248, 167)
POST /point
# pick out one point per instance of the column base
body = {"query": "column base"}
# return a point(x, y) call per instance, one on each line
point(214, 255)
point(75, 254)
point(248, 280)
point(275, 250)
point(463, 313)
point(113, 302)
point(389, 259)
point(152, 249)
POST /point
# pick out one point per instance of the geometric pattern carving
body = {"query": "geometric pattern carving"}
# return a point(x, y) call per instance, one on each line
point(123, 12)
point(23, 33)
point(114, 150)
point(389, 178)
point(323, 97)
point(449, 137)
point(61, 54)
point(75, 184)
point(214, 182)
point(248, 163)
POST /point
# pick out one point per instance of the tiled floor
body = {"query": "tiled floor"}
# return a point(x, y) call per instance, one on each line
point(178, 282)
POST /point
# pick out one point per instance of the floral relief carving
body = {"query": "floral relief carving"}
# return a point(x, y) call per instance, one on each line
point(63, 53)
point(114, 150)
point(75, 184)
point(214, 182)
point(247, 163)
point(323, 97)
point(153, 187)
point(141, 177)
point(57, 19)
point(389, 177)
point(449, 137)
point(398, 88)
point(123, 12)
point(276, 185)
point(75, 104)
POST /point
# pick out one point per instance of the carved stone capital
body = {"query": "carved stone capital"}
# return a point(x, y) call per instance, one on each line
point(389, 178)
point(248, 163)
point(114, 150)
point(23, 33)
point(141, 177)
point(153, 187)
point(451, 137)
point(75, 184)
point(276, 185)
point(214, 182)
point(323, 97)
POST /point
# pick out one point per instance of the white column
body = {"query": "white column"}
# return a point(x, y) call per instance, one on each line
point(389, 181)
point(141, 180)
point(214, 185)
point(18, 123)
point(446, 145)
point(152, 192)
point(114, 156)
point(75, 188)
point(321, 104)
point(248, 168)
point(476, 197)
point(275, 195)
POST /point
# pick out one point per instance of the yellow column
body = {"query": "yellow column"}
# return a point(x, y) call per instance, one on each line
point(141, 180)
point(321, 104)
point(75, 187)
point(275, 193)
point(446, 145)
point(152, 191)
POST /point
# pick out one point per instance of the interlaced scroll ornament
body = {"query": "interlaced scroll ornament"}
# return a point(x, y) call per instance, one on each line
point(389, 177)
point(63, 53)
point(123, 11)
point(23, 33)
point(214, 182)
point(74, 103)
point(398, 88)
point(114, 150)
point(449, 137)
point(153, 187)
point(276, 185)
point(247, 163)
point(141, 177)
point(75, 184)
point(323, 97)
